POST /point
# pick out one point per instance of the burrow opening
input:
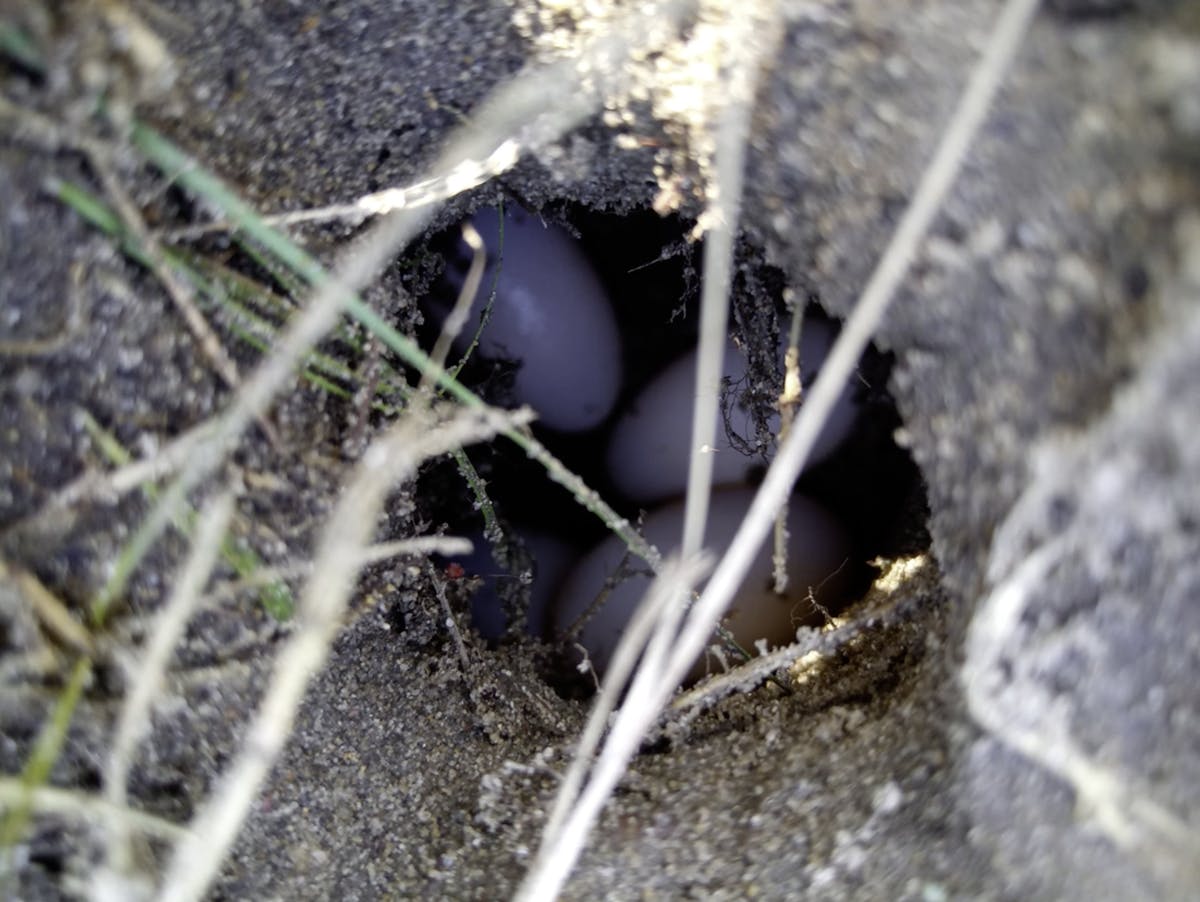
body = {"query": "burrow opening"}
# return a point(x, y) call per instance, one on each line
point(651, 274)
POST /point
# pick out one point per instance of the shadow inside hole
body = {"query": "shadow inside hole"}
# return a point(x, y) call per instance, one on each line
point(651, 276)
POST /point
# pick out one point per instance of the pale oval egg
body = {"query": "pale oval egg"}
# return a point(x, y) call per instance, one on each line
point(649, 450)
point(551, 316)
point(817, 548)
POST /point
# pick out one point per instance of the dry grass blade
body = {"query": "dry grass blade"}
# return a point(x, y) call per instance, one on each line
point(144, 684)
point(83, 806)
point(789, 400)
point(579, 807)
point(527, 113)
point(386, 462)
point(462, 305)
point(418, 547)
point(751, 41)
point(938, 176)
point(656, 679)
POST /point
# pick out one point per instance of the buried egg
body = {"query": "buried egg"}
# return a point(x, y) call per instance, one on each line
point(550, 556)
point(817, 548)
point(648, 453)
point(550, 316)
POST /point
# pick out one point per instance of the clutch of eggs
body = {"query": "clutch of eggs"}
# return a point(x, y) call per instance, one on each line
point(816, 549)
point(650, 447)
point(551, 315)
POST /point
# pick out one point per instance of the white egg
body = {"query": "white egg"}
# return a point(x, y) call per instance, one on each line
point(648, 453)
point(551, 315)
point(817, 548)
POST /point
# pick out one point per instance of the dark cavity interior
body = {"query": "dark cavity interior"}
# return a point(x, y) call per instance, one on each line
point(652, 275)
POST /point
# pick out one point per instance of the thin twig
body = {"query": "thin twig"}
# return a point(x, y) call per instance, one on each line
point(657, 677)
point(85, 806)
point(390, 459)
point(462, 306)
point(36, 127)
point(935, 182)
point(750, 41)
point(538, 106)
point(747, 675)
point(439, 589)
point(646, 643)
point(485, 315)
point(180, 293)
point(578, 804)
point(145, 683)
point(420, 546)
point(51, 611)
point(789, 401)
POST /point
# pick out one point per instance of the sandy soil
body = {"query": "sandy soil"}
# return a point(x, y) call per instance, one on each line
point(1016, 719)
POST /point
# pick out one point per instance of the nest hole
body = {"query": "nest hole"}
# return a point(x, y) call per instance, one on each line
point(652, 274)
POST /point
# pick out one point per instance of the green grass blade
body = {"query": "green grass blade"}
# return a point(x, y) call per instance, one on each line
point(276, 598)
point(44, 755)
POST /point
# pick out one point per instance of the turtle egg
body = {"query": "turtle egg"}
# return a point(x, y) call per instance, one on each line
point(648, 453)
point(551, 558)
point(551, 316)
point(817, 547)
